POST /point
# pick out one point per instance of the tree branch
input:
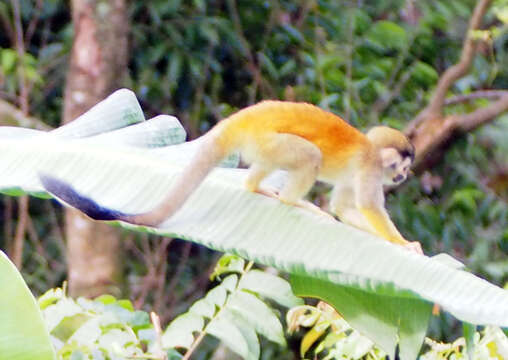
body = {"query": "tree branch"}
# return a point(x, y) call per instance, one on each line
point(8, 27)
point(431, 129)
point(471, 121)
point(480, 94)
point(466, 58)
point(435, 132)
point(19, 238)
point(435, 106)
point(32, 26)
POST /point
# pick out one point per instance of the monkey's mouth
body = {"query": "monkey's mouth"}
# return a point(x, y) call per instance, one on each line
point(399, 178)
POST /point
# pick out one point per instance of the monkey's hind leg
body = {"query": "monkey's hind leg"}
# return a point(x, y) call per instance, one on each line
point(257, 172)
point(302, 160)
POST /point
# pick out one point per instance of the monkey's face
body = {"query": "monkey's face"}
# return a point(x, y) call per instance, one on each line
point(395, 166)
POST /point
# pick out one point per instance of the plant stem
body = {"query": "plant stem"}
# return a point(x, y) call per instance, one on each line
point(202, 334)
point(195, 344)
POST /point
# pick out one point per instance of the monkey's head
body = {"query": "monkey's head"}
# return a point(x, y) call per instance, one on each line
point(397, 153)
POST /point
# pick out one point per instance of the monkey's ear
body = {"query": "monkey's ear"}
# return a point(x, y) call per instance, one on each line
point(390, 156)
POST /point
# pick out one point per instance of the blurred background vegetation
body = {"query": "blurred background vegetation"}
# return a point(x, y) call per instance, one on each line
point(372, 62)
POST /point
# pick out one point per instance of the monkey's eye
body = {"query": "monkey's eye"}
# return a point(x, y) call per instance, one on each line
point(393, 165)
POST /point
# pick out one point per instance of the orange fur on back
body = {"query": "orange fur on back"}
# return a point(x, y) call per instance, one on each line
point(331, 134)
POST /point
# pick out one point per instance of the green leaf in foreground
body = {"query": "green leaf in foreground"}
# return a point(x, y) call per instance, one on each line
point(23, 334)
point(236, 334)
point(271, 287)
point(384, 319)
point(258, 314)
point(469, 331)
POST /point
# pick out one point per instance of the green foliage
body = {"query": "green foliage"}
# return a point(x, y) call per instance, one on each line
point(11, 63)
point(8, 59)
point(234, 311)
point(330, 337)
point(491, 343)
point(386, 35)
point(250, 51)
point(107, 328)
point(48, 39)
point(104, 328)
point(424, 73)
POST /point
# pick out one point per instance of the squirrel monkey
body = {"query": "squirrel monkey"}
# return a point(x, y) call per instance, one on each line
point(310, 144)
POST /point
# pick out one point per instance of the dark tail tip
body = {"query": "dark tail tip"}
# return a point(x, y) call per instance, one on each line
point(66, 192)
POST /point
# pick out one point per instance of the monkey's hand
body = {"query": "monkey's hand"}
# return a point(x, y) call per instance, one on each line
point(414, 246)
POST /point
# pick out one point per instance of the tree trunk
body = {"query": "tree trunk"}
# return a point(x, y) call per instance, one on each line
point(97, 67)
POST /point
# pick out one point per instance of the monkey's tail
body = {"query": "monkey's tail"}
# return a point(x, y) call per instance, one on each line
point(209, 154)
point(66, 192)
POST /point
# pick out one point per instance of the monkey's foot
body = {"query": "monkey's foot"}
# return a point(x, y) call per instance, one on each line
point(414, 246)
point(304, 204)
point(269, 193)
